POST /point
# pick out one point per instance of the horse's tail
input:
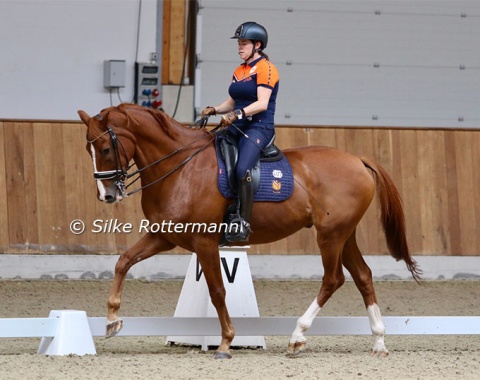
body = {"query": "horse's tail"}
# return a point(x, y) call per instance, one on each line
point(393, 217)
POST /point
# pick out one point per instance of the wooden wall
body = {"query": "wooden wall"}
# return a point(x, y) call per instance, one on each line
point(436, 172)
point(46, 182)
point(178, 40)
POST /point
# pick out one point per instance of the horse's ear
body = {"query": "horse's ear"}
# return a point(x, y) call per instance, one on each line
point(84, 116)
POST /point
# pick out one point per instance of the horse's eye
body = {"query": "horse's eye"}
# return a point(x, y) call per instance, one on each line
point(105, 152)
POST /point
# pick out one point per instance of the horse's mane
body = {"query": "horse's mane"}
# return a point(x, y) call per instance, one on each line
point(133, 114)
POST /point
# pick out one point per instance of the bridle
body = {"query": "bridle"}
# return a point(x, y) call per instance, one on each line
point(120, 174)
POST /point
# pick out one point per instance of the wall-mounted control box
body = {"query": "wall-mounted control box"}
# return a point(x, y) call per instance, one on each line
point(114, 72)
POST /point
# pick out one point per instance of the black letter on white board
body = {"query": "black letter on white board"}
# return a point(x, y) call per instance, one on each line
point(230, 276)
point(198, 272)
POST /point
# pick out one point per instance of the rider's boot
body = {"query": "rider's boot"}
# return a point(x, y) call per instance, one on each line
point(239, 229)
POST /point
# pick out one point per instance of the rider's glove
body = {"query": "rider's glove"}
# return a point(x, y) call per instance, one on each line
point(230, 117)
point(209, 110)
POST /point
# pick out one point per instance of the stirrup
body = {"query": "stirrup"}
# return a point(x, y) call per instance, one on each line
point(238, 230)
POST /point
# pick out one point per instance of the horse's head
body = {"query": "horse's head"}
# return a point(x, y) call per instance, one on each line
point(111, 148)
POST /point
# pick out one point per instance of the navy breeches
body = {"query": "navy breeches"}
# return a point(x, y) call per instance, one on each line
point(249, 149)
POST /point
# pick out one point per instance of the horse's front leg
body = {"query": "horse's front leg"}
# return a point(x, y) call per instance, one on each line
point(298, 341)
point(146, 247)
point(210, 261)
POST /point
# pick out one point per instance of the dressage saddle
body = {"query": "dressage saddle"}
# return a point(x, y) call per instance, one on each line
point(228, 145)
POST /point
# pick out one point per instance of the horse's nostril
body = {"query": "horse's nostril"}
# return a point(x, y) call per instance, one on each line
point(109, 198)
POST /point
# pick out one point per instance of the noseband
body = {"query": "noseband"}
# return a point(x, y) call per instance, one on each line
point(119, 174)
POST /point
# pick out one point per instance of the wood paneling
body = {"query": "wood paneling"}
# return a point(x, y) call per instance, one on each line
point(174, 40)
point(46, 182)
point(178, 31)
point(4, 238)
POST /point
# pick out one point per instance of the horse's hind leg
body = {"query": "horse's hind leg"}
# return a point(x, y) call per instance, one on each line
point(332, 280)
point(146, 247)
point(362, 275)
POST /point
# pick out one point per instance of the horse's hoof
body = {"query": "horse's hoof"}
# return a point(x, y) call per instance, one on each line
point(294, 349)
point(222, 355)
point(379, 354)
point(113, 328)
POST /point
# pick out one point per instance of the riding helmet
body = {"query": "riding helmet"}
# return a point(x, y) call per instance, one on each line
point(252, 31)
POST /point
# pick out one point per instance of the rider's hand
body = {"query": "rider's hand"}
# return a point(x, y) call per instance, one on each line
point(210, 111)
point(228, 119)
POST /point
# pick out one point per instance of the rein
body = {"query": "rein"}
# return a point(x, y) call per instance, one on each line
point(138, 171)
point(119, 174)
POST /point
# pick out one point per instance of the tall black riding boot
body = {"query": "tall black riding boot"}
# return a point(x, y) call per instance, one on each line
point(239, 229)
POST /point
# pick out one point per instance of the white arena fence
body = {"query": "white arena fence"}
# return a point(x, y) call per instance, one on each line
point(67, 332)
point(195, 322)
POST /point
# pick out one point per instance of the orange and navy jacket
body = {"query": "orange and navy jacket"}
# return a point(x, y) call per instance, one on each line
point(243, 89)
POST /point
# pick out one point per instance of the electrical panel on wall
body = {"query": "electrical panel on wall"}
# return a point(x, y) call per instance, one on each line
point(114, 73)
point(147, 85)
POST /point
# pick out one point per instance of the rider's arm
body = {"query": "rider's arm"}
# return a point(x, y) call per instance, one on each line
point(226, 106)
point(263, 96)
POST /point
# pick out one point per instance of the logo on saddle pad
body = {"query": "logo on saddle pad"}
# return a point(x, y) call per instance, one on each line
point(277, 174)
point(276, 184)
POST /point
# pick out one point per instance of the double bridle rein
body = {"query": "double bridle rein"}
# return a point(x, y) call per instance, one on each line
point(120, 173)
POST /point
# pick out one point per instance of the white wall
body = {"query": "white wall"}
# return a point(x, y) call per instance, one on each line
point(52, 53)
point(326, 53)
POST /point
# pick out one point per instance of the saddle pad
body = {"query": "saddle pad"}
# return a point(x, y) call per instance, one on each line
point(276, 180)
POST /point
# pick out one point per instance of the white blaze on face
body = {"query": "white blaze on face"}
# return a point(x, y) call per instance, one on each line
point(101, 188)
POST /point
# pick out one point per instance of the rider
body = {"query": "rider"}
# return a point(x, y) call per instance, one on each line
point(249, 113)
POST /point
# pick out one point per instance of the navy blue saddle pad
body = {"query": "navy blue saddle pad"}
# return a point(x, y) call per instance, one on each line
point(276, 180)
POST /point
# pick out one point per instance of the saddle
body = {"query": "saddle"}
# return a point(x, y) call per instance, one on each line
point(228, 146)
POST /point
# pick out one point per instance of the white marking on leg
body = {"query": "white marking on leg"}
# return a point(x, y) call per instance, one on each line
point(378, 329)
point(304, 322)
point(101, 188)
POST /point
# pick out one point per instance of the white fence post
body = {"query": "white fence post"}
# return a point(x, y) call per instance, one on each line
point(72, 335)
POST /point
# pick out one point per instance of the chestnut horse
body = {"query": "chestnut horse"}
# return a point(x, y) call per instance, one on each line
point(177, 167)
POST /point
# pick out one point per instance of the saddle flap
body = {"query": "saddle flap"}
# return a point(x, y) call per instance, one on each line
point(229, 150)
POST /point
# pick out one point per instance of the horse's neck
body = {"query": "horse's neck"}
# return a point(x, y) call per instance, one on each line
point(154, 144)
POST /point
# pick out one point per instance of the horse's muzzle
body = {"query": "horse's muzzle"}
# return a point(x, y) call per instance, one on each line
point(110, 196)
point(112, 193)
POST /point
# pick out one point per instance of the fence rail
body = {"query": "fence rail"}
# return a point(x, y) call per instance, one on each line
point(248, 326)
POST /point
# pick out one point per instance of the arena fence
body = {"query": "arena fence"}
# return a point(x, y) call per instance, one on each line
point(70, 332)
point(245, 326)
point(67, 332)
